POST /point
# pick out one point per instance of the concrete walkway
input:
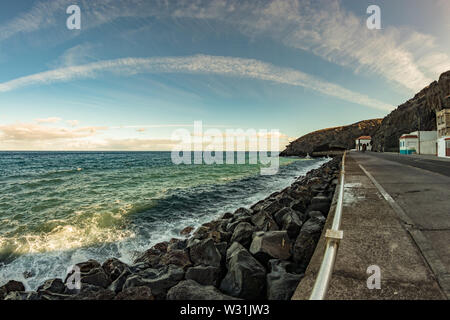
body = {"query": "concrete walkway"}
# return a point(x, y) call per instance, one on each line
point(375, 234)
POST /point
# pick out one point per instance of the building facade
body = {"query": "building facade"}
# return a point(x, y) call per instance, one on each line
point(419, 142)
point(443, 123)
point(363, 143)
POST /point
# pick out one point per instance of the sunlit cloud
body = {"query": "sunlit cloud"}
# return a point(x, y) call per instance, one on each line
point(49, 120)
point(198, 64)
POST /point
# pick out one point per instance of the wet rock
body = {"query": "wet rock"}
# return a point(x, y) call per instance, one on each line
point(117, 285)
point(151, 257)
point(177, 257)
point(161, 246)
point(204, 275)
point(307, 239)
point(243, 234)
point(135, 293)
point(52, 285)
point(177, 244)
point(96, 277)
point(22, 296)
point(280, 283)
point(227, 215)
point(28, 274)
point(87, 292)
point(271, 244)
point(246, 277)
point(264, 222)
point(192, 290)
point(159, 282)
point(87, 266)
point(11, 286)
point(205, 252)
point(187, 231)
point(114, 267)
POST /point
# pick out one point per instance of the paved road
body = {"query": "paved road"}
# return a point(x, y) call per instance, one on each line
point(375, 234)
point(421, 187)
point(438, 165)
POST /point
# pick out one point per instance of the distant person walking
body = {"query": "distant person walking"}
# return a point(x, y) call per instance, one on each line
point(364, 147)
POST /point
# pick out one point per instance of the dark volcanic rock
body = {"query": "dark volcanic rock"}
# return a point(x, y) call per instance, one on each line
point(135, 293)
point(280, 283)
point(264, 221)
point(205, 252)
point(191, 290)
point(246, 277)
point(118, 283)
point(11, 286)
point(159, 281)
point(114, 267)
point(271, 244)
point(307, 239)
point(204, 275)
point(243, 234)
point(96, 277)
point(52, 285)
point(177, 257)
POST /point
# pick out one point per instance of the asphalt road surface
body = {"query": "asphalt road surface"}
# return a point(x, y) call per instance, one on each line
point(421, 187)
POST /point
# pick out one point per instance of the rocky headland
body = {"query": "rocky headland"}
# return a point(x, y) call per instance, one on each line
point(259, 252)
point(416, 113)
point(332, 139)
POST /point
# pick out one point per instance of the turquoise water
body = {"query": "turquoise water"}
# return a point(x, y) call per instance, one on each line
point(57, 209)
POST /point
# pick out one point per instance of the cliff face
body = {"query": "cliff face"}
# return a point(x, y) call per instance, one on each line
point(406, 118)
point(338, 138)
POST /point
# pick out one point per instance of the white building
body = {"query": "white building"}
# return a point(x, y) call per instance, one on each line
point(444, 147)
point(363, 142)
point(418, 142)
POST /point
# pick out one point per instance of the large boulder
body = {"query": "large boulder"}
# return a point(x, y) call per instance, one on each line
point(292, 224)
point(135, 293)
point(177, 257)
point(243, 234)
point(204, 275)
point(114, 268)
point(96, 277)
point(270, 245)
point(264, 221)
point(117, 285)
point(159, 281)
point(11, 286)
point(205, 252)
point(280, 283)
point(307, 239)
point(151, 257)
point(53, 286)
point(192, 290)
point(246, 277)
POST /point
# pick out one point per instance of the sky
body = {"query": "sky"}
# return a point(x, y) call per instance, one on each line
point(138, 70)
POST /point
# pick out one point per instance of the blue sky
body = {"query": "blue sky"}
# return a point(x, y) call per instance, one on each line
point(139, 69)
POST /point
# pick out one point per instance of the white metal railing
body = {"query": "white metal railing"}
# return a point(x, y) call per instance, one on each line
point(332, 236)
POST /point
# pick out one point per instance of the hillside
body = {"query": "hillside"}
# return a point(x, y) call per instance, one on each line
point(420, 109)
point(337, 138)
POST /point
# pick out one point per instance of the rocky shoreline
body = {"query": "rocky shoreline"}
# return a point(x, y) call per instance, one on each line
point(256, 253)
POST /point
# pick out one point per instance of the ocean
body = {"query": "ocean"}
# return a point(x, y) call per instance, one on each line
point(61, 208)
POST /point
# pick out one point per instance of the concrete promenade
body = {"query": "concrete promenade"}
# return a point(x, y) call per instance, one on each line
point(395, 216)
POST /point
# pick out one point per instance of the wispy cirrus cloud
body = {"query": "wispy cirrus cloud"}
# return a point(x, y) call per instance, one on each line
point(323, 27)
point(199, 64)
